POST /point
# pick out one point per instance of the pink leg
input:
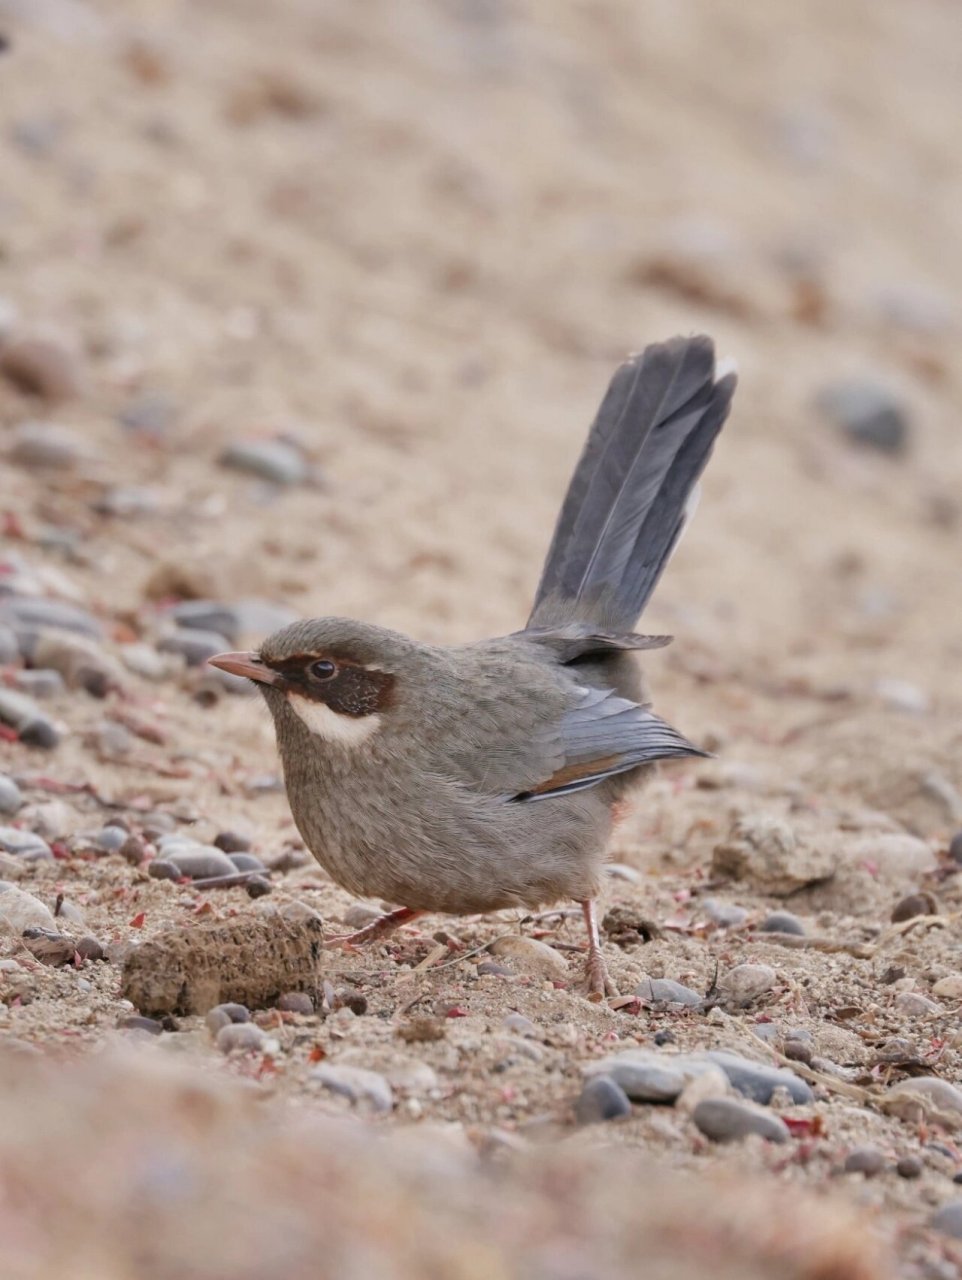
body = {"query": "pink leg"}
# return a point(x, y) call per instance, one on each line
point(597, 982)
point(378, 928)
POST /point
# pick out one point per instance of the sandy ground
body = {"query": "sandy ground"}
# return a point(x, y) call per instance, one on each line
point(415, 240)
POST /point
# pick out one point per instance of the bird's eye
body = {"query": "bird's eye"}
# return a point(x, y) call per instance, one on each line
point(323, 669)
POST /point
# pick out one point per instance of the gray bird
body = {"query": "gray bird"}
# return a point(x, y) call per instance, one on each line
point(469, 778)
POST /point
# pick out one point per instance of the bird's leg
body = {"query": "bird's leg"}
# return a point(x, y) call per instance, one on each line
point(597, 982)
point(378, 928)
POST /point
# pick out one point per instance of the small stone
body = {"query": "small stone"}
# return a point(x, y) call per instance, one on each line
point(90, 949)
point(948, 1219)
point(782, 922)
point(798, 1051)
point(725, 914)
point(149, 414)
point(519, 1025)
point(207, 615)
point(111, 839)
point(246, 862)
point(491, 969)
point(79, 660)
point(35, 613)
point(904, 1097)
point(144, 660)
point(758, 1081)
point(134, 851)
point(909, 1167)
point(24, 844)
point(223, 1015)
point(915, 1004)
point(198, 862)
point(530, 956)
point(727, 1120)
point(231, 842)
point(357, 915)
point(711, 1082)
point(621, 871)
point(45, 446)
point(746, 983)
point(240, 1037)
point(764, 850)
point(355, 1083)
point(955, 847)
point(601, 1099)
point(867, 413)
point(865, 1160)
point(41, 368)
point(258, 887)
point(164, 869)
point(914, 904)
point(137, 1022)
point(39, 732)
point(271, 460)
point(901, 695)
point(20, 910)
point(10, 797)
point(9, 648)
point(891, 855)
point(665, 991)
point(193, 645)
point(296, 1002)
point(949, 987)
point(40, 684)
point(649, 1082)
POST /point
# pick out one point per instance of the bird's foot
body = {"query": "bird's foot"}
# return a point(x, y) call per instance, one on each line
point(379, 928)
point(597, 982)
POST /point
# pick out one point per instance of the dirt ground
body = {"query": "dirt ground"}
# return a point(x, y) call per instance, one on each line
point(410, 243)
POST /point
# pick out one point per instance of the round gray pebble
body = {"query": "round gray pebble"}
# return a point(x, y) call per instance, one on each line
point(163, 869)
point(782, 922)
point(10, 797)
point(199, 862)
point(296, 1002)
point(909, 1167)
point(243, 1037)
point(725, 1120)
point(948, 1219)
point(231, 842)
point(246, 862)
point(866, 1160)
point(601, 1099)
point(665, 991)
point(271, 460)
point(194, 646)
point(222, 1015)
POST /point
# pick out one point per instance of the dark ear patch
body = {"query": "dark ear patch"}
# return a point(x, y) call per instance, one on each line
point(355, 690)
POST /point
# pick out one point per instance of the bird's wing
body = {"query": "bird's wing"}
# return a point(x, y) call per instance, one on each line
point(600, 736)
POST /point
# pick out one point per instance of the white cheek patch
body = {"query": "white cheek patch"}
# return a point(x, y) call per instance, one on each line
point(349, 731)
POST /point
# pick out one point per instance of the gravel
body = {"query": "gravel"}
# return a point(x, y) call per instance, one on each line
point(726, 1120)
point(357, 1084)
point(601, 1099)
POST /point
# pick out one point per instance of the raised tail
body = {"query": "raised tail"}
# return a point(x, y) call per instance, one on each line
point(631, 492)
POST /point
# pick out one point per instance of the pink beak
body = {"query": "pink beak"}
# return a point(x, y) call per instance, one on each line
point(244, 664)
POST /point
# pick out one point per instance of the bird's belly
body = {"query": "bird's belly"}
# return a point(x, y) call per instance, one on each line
point(444, 849)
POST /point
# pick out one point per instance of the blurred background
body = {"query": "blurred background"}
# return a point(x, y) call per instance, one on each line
point(311, 302)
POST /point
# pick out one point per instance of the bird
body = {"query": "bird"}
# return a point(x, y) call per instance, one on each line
point(469, 778)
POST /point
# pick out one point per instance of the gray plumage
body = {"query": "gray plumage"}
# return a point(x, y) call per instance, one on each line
point(488, 776)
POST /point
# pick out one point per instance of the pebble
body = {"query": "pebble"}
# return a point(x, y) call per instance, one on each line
point(949, 987)
point(666, 991)
point(9, 648)
point(137, 1022)
point(144, 660)
point(865, 1160)
point(601, 1099)
point(893, 855)
point(621, 871)
point(867, 413)
point(246, 862)
point(763, 849)
point(42, 368)
point(905, 1094)
point(782, 922)
point(39, 684)
point(149, 414)
point(231, 842)
point(650, 1082)
point(258, 887)
point(296, 1002)
point(79, 660)
point(758, 1081)
point(798, 1051)
point(725, 914)
point(915, 1004)
point(199, 862)
point(710, 1083)
point(30, 723)
point(240, 1037)
point(519, 1025)
point(909, 1167)
point(163, 869)
point(21, 612)
point(193, 645)
point(111, 839)
point(271, 460)
point(746, 983)
point(24, 844)
point(10, 796)
point(20, 910)
point(914, 904)
point(955, 847)
point(727, 1120)
point(948, 1219)
point(90, 949)
point(207, 615)
point(222, 1015)
point(124, 502)
point(46, 446)
point(355, 1083)
point(528, 955)
point(902, 695)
